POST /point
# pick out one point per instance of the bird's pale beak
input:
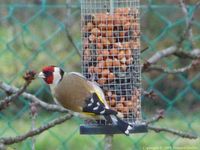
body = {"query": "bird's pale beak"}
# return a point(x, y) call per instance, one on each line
point(41, 75)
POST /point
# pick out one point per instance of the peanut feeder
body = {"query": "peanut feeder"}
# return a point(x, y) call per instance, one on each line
point(110, 32)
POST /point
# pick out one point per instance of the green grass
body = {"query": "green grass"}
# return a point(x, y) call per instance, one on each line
point(66, 136)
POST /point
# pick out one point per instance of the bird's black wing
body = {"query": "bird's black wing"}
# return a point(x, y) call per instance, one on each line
point(94, 105)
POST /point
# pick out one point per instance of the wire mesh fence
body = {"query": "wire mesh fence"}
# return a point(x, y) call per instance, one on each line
point(40, 32)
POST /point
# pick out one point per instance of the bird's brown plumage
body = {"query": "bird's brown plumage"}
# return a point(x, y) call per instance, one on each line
point(72, 91)
point(75, 93)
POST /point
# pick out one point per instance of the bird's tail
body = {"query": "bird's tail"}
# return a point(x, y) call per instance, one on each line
point(97, 106)
point(122, 125)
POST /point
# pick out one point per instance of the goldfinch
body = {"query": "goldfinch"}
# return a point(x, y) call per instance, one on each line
point(77, 94)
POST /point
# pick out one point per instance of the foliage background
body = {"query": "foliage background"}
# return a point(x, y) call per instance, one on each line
point(34, 33)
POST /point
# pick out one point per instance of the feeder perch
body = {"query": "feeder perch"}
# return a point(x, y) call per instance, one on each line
point(111, 57)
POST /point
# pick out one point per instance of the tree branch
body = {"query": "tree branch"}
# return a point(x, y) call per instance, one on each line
point(150, 94)
point(159, 115)
point(184, 9)
point(50, 107)
point(33, 108)
point(108, 141)
point(194, 54)
point(187, 33)
point(188, 21)
point(176, 50)
point(2, 146)
point(160, 54)
point(143, 50)
point(5, 102)
point(173, 131)
point(174, 71)
point(31, 133)
point(28, 77)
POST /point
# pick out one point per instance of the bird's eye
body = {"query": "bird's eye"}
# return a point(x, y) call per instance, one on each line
point(47, 73)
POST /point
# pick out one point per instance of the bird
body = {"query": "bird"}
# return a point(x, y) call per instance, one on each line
point(77, 94)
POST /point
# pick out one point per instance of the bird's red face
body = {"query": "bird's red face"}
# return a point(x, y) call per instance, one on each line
point(51, 74)
point(47, 74)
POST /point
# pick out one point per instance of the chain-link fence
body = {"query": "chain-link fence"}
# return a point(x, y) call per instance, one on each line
point(40, 32)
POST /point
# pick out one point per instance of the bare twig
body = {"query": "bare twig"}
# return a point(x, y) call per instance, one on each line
point(188, 21)
point(33, 138)
point(108, 140)
point(50, 107)
point(173, 131)
point(2, 146)
point(33, 108)
point(187, 33)
point(173, 71)
point(28, 77)
point(159, 115)
point(143, 50)
point(194, 54)
point(176, 50)
point(12, 140)
point(160, 54)
point(5, 102)
point(184, 9)
point(151, 94)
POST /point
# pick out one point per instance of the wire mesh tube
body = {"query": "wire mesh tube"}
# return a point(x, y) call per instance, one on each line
point(111, 52)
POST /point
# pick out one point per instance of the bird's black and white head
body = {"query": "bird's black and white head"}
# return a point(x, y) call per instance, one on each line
point(52, 75)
